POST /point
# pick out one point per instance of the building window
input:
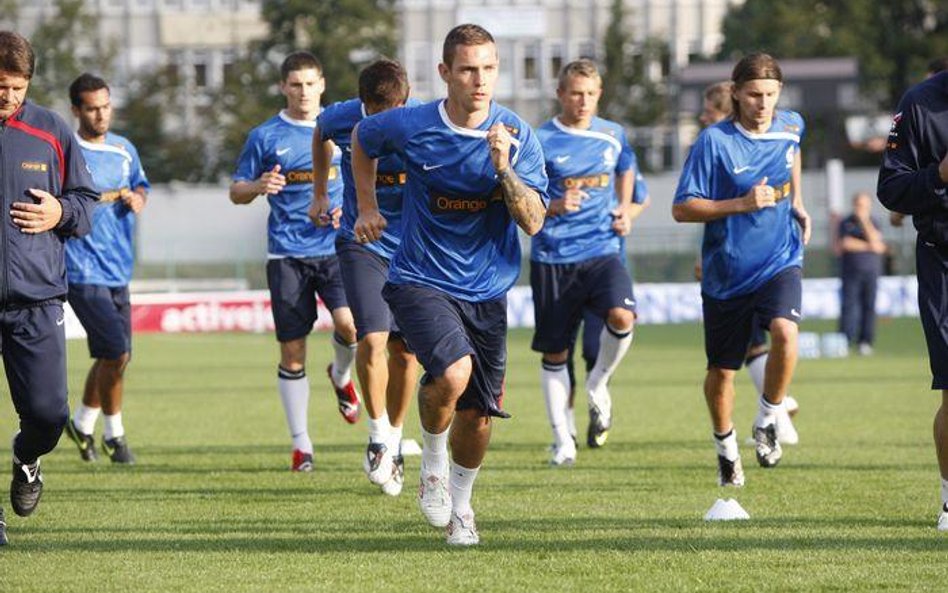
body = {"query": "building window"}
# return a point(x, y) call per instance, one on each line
point(531, 66)
point(556, 61)
point(200, 75)
point(587, 49)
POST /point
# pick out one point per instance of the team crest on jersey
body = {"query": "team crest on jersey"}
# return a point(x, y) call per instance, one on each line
point(512, 130)
point(609, 157)
point(793, 128)
point(791, 154)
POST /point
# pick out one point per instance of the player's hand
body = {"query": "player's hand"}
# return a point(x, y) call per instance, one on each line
point(271, 182)
point(621, 221)
point(319, 211)
point(570, 202)
point(699, 269)
point(335, 217)
point(369, 226)
point(896, 219)
point(498, 139)
point(760, 196)
point(134, 200)
point(943, 169)
point(806, 225)
point(37, 217)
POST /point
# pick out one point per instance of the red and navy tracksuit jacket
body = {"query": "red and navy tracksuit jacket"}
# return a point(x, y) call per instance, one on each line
point(39, 151)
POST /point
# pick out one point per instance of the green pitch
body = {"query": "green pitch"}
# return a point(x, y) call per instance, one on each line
point(212, 506)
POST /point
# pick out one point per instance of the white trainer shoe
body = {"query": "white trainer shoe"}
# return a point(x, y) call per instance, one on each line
point(394, 486)
point(434, 499)
point(377, 463)
point(461, 531)
point(564, 455)
point(786, 432)
point(943, 520)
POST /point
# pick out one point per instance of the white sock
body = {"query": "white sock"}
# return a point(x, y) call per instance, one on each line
point(84, 418)
point(113, 426)
point(434, 453)
point(726, 444)
point(613, 345)
point(766, 412)
point(944, 494)
point(294, 393)
point(395, 439)
point(755, 368)
point(461, 485)
point(342, 363)
point(379, 429)
point(571, 420)
point(555, 381)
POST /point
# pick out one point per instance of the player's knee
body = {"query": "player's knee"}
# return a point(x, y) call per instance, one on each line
point(374, 343)
point(620, 319)
point(455, 378)
point(783, 333)
point(555, 357)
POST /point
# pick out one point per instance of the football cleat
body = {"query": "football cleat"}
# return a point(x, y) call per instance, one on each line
point(26, 488)
point(942, 520)
point(84, 441)
point(461, 531)
point(377, 463)
point(347, 399)
point(302, 462)
point(3, 529)
point(564, 455)
point(730, 473)
point(786, 432)
point(394, 486)
point(767, 447)
point(118, 451)
point(598, 430)
point(434, 499)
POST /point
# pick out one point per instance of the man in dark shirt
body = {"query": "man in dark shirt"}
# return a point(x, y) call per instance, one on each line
point(860, 245)
point(913, 180)
point(46, 190)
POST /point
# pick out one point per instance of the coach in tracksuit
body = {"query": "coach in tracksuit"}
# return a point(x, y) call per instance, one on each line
point(47, 197)
point(913, 180)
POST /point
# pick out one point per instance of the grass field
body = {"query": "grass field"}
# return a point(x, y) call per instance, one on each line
point(212, 507)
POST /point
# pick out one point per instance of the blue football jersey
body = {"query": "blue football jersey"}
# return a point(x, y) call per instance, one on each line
point(336, 123)
point(588, 160)
point(105, 256)
point(457, 234)
point(741, 252)
point(287, 142)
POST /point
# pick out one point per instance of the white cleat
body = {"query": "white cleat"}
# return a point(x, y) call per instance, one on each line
point(377, 463)
point(434, 499)
point(791, 405)
point(564, 455)
point(786, 432)
point(394, 486)
point(943, 521)
point(461, 531)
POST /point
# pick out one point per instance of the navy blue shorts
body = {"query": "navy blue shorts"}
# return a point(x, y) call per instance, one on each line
point(758, 336)
point(364, 274)
point(728, 323)
point(106, 315)
point(441, 330)
point(562, 291)
point(294, 283)
point(932, 270)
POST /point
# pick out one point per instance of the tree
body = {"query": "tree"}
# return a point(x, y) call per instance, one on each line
point(893, 39)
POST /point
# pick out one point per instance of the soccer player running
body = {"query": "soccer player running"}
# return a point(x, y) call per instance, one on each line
point(277, 162)
point(99, 268)
point(475, 173)
point(576, 260)
point(717, 107)
point(913, 180)
point(742, 179)
point(387, 380)
point(47, 196)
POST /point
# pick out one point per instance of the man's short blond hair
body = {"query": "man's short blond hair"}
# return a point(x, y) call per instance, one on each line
point(582, 67)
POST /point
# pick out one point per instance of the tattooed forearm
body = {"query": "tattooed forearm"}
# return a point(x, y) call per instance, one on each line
point(524, 203)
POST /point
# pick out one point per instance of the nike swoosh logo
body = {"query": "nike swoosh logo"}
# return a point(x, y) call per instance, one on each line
point(282, 151)
point(739, 170)
point(61, 321)
point(428, 167)
point(562, 159)
point(794, 312)
point(629, 302)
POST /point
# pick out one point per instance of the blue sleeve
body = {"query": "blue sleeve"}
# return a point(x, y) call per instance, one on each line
point(640, 191)
point(250, 162)
point(78, 195)
point(695, 180)
point(626, 158)
point(325, 123)
point(137, 177)
point(530, 164)
point(905, 185)
point(383, 133)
